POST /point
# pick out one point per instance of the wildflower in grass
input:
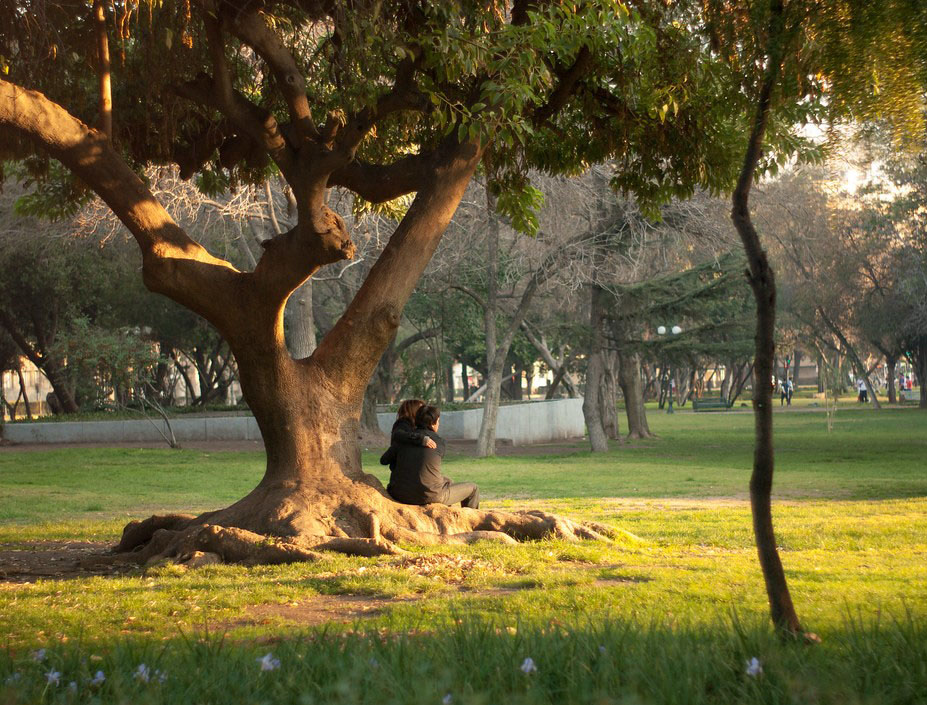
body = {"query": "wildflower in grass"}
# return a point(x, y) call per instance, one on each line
point(38, 655)
point(143, 673)
point(374, 663)
point(447, 699)
point(601, 649)
point(53, 677)
point(13, 678)
point(269, 663)
point(161, 676)
point(72, 686)
point(98, 678)
point(528, 666)
point(754, 667)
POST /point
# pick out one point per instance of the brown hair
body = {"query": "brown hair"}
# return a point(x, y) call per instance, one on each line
point(427, 416)
point(408, 409)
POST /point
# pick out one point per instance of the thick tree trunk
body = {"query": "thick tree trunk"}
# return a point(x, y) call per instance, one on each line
point(595, 372)
point(763, 283)
point(629, 377)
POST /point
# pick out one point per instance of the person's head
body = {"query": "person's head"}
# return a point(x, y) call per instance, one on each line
point(428, 417)
point(408, 409)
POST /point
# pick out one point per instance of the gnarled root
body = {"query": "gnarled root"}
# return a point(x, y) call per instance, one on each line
point(292, 523)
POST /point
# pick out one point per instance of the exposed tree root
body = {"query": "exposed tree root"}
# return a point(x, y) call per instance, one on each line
point(289, 523)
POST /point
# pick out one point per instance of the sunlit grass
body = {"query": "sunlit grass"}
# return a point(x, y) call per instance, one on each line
point(851, 520)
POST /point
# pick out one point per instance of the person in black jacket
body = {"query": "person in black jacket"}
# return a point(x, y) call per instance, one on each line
point(416, 476)
point(404, 431)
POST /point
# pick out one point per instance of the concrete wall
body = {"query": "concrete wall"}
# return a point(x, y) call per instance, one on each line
point(201, 428)
point(531, 422)
point(522, 424)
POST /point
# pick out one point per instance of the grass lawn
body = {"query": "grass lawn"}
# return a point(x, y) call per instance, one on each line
point(670, 612)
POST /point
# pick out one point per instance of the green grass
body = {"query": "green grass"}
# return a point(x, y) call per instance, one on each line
point(851, 519)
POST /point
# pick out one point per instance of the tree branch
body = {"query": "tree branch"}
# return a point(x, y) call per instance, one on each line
point(253, 30)
point(569, 79)
point(379, 183)
point(173, 264)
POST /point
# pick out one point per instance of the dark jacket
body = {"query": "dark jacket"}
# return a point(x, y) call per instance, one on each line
point(403, 432)
point(416, 477)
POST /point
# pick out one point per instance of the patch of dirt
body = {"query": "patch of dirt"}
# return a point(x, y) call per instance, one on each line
point(318, 609)
point(57, 560)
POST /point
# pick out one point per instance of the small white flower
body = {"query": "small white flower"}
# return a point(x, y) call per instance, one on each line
point(528, 666)
point(98, 678)
point(754, 667)
point(268, 662)
point(72, 686)
point(602, 649)
point(161, 676)
point(362, 569)
point(53, 677)
point(143, 673)
point(38, 655)
point(447, 699)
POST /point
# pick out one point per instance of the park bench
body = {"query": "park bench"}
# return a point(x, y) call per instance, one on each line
point(710, 404)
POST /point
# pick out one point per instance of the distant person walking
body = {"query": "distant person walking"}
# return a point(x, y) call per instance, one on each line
point(863, 392)
point(789, 390)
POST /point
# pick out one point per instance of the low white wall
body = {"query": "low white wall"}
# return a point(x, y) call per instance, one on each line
point(531, 422)
point(201, 428)
point(522, 424)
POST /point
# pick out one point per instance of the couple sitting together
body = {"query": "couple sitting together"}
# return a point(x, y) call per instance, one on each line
point(414, 459)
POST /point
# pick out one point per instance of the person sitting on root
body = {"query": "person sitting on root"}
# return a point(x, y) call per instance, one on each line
point(416, 476)
point(404, 430)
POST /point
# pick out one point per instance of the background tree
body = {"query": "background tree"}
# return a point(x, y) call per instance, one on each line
point(801, 61)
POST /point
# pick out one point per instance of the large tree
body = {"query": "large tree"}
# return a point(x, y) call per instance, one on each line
point(384, 99)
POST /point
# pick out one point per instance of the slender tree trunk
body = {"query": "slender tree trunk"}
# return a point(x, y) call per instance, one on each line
point(497, 350)
point(921, 359)
point(763, 283)
point(595, 372)
point(449, 379)
point(890, 363)
point(465, 378)
point(486, 440)
point(629, 377)
point(22, 391)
